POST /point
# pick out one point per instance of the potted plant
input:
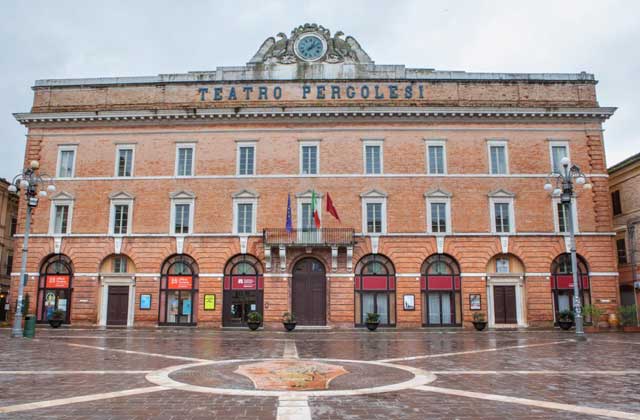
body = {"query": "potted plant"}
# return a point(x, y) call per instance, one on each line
point(594, 313)
point(289, 321)
point(628, 318)
point(254, 319)
point(479, 322)
point(373, 320)
point(565, 319)
point(56, 319)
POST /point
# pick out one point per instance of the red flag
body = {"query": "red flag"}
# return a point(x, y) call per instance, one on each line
point(331, 209)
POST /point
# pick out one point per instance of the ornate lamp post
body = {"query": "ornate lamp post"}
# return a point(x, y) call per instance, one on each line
point(32, 184)
point(564, 181)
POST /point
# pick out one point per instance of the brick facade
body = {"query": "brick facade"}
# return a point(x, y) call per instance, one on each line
point(155, 115)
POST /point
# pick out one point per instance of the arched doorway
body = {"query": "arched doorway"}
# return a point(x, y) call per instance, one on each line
point(375, 289)
point(505, 291)
point(243, 290)
point(562, 283)
point(117, 291)
point(309, 292)
point(178, 291)
point(441, 291)
point(55, 287)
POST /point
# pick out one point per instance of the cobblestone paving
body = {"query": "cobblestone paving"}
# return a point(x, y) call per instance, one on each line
point(178, 374)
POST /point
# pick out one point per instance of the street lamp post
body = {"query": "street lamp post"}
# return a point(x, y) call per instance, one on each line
point(565, 179)
point(29, 181)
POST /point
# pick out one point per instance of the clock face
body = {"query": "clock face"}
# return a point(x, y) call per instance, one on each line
point(310, 48)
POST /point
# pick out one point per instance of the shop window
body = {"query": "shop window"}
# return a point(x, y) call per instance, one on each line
point(441, 292)
point(178, 291)
point(243, 290)
point(375, 289)
point(55, 288)
point(562, 283)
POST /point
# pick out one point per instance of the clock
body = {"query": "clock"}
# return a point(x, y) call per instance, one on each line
point(310, 47)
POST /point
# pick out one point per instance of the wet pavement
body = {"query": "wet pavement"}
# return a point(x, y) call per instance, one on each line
point(412, 374)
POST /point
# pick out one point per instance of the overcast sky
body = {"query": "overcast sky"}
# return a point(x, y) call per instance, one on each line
point(69, 39)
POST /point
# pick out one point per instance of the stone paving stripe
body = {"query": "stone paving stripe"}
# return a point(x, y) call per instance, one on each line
point(73, 372)
point(532, 403)
point(290, 350)
point(458, 353)
point(166, 356)
point(538, 372)
point(619, 342)
point(80, 399)
point(293, 408)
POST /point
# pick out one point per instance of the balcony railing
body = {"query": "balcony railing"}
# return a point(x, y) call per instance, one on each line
point(309, 237)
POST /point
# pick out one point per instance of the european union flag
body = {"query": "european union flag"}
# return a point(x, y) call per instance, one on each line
point(289, 224)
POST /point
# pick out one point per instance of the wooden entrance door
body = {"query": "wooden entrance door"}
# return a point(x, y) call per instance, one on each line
point(118, 305)
point(504, 304)
point(309, 293)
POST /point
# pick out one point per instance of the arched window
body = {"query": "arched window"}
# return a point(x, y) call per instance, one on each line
point(375, 285)
point(441, 295)
point(178, 291)
point(55, 287)
point(243, 289)
point(562, 283)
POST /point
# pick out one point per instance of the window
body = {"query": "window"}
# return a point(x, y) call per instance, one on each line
point(181, 220)
point(245, 218)
point(438, 217)
point(622, 251)
point(309, 160)
point(441, 291)
point(558, 150)
point(616, 203)
point(182, 211)
point(246, 159)
point(372, 157)
point(121, 219)
point(66, 161)
point(124, 160)
point(61, 221)
point(561, 216)
point(374, 217)
point(501, 211)
point(9, 264)
point(245, 205)
point(436, 157)
point(14, 225)
point(498, 160)
point(184, 159)
point(374, 212)
point(120, 264)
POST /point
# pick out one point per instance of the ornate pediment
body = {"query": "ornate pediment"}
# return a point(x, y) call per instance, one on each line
point(320, 48)
point(501, 193)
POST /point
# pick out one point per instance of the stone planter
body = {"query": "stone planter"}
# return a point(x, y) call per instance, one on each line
point(479, 325)
point(372, 326)
point(253, 325)
point(289, 326)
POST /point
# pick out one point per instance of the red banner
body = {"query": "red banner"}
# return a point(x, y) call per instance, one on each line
point(374, 283)
point(57, 282)
point(243, 283)
point(180, 282)
point(566, 281)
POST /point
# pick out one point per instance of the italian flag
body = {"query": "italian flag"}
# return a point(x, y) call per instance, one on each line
point(314, 210)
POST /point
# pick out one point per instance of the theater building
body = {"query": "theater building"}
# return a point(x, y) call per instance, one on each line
point(173, 190)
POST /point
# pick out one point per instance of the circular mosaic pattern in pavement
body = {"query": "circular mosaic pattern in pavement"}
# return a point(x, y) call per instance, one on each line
point(283, 377)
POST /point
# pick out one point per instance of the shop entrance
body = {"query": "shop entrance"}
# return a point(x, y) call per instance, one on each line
point(309, 294)
point(243, 290)
point(504, 304)
point(118, 305)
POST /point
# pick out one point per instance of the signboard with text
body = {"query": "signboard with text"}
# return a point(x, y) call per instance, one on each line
point(57, 282)
point(180, 282)
point(243, 283)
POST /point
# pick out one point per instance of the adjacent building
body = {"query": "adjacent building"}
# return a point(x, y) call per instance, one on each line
point(624, 185)
point(8, 223)
point(315, 181)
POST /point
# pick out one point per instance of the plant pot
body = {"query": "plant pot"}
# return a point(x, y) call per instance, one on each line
point(253, 325)
point(480, 325)
point(591, 329)
point(289, 326)
point(565, 325)
point(371, 326)
point(55, 323)
point(630, 328)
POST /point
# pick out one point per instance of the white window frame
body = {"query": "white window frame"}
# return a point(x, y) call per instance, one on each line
point(245, 143)
point(439, 197)
point(61, 199)
point(552, 143)
point(121, 198)
point(67, 148)
point(502, 196)
point(119, 147)
point(182, 197)
point(191, 146)
point(436, 142)
point(556, 219)
point(374, 197)
point(245, 197)
point(305, 198)
point(371, 142)
point(315, 143)
point(505, 144)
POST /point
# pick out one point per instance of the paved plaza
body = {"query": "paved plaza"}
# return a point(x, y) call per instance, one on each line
point(200, 374)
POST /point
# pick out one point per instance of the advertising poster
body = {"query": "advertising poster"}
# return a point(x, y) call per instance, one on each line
point(209, 302)
point(186, 307)
point(145, 301)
